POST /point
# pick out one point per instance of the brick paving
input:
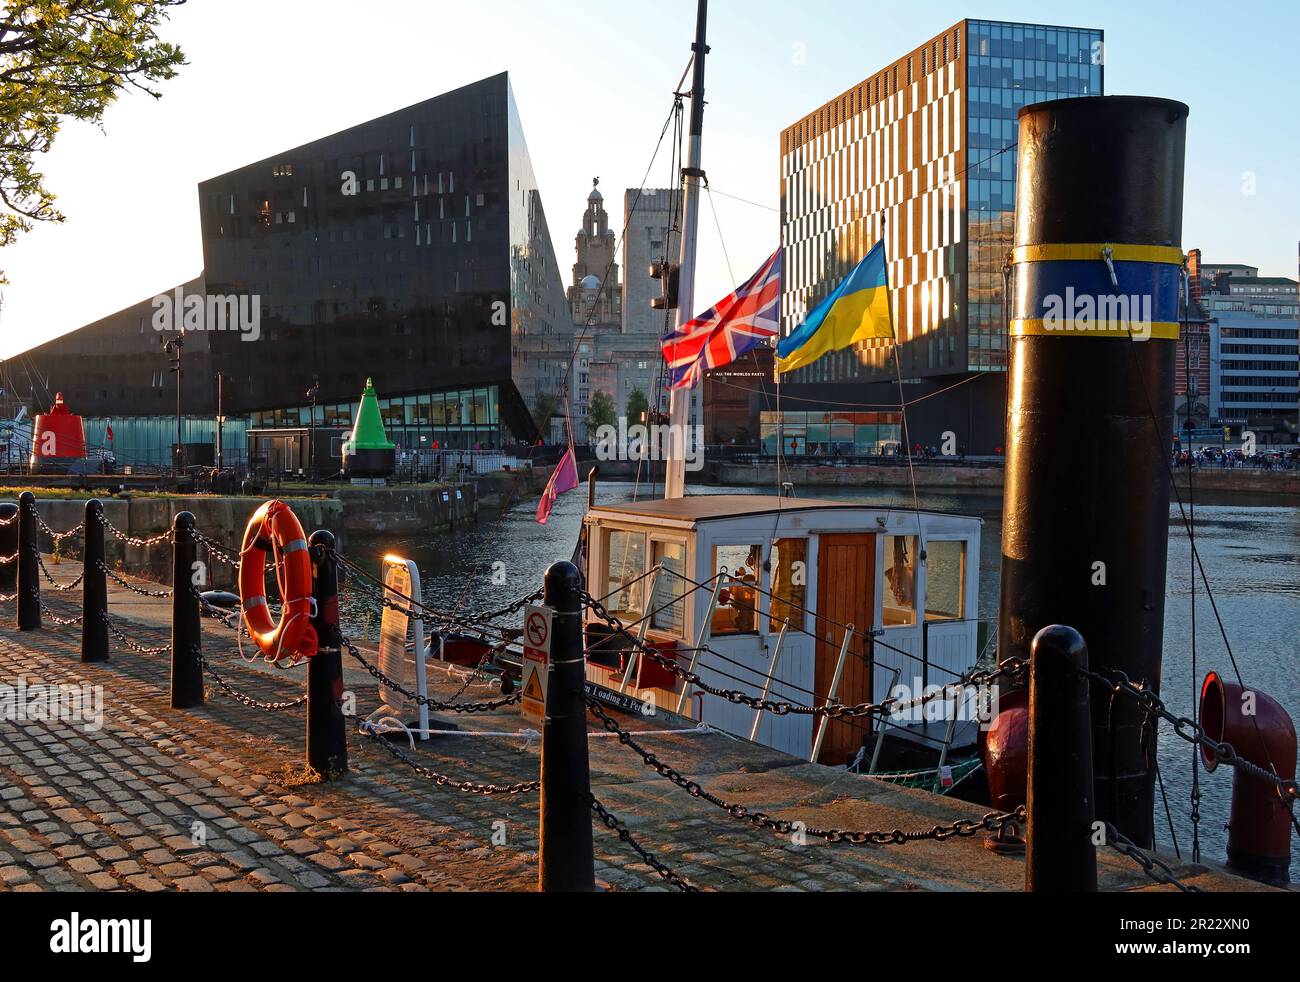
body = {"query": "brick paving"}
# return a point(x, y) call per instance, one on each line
point(218, 799)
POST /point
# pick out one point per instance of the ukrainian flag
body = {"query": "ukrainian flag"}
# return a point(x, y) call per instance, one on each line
point(856, 311)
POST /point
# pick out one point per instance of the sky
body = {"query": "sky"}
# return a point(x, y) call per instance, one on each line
point(593, 80)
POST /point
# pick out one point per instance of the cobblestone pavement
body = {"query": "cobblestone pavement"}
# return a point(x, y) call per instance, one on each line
point(219, 798)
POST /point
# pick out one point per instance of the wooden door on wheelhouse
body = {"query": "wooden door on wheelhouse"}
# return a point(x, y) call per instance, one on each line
point(846, 572)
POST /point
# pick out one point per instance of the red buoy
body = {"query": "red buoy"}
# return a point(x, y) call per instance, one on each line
point(58, 440)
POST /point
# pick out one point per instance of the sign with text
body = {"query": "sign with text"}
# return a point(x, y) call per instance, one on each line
point(536, 661)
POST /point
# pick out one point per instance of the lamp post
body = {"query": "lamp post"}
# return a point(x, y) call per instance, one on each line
point(173, 347)
point(313, 394)
point(221, 420)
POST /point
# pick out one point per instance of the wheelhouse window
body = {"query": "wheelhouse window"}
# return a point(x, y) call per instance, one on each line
point(738, 607)
point(625, 564)
point(789, 583)
point(945, 581)
point(899, 607)
point(668, 606)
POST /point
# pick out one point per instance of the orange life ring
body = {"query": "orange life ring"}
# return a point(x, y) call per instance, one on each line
point(275, 531)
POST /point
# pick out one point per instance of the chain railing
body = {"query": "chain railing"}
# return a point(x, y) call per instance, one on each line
point(778, 707)
point(133, 645)
point(242, 697)
point(126, 584)
point(992, 822)
point(443, 780)
point(382, 594)
point(58, 537)
point(422, 700)
point(1157, 871)
point(649, 858)
point(56, 619)
point(1191, 731)
point(54, 584)
point(132, 540)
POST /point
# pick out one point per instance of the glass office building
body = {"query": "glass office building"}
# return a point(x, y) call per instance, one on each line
point(922, 154)
point(412, 249)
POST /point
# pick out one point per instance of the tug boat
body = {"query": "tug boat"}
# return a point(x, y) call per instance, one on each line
point(801, 601)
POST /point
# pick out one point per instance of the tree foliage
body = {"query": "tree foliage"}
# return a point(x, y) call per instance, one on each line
point(638, 406)
point(601, 411)
point(67, 60)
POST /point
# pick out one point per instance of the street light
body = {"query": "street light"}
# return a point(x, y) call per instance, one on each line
point(173, 346)
point(221, 419)
point(313, 394)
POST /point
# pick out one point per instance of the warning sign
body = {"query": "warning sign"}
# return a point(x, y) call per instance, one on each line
point(536, 661)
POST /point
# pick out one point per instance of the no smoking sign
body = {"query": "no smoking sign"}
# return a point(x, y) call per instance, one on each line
point(536, 660)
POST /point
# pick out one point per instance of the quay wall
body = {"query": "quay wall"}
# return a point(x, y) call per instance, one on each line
point(958, 478)
point(348, 512)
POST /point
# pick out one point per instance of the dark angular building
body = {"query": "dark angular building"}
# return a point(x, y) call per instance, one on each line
point(412, 248)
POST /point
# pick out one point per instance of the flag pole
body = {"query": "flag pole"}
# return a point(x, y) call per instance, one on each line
point(780, 424)
point(679, 400)
point(902, 399)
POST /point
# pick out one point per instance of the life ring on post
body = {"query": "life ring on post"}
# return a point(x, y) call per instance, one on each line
point(275, 531)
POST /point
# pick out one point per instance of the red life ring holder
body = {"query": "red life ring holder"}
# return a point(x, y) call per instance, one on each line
point(275, 531)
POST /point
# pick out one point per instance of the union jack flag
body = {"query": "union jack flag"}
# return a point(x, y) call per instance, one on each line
point(723, 333)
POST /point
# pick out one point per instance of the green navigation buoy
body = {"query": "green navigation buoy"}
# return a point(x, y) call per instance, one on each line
point(368, 453)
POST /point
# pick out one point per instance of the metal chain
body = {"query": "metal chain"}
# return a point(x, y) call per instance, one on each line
point(59, 536)
point(60, 621)
point(992, 822)
point(224, 616)
point(132, 540)
point(649, 858)
point(1009, 668)
point(223, 553)
point(443, 781)
point(10, 559)
point(1191, 731)
point(134, 645)
point(247, 700)
point(40, 562)
point(474, 621)
point(157, 595)
point(469, 707)
point(1151, 866)
point(8, 598)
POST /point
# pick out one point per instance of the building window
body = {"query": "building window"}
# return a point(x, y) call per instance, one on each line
point(900, 580)
point(737, 608)
point(789, 564)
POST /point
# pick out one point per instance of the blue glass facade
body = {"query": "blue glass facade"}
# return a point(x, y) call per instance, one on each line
point(1009, 66)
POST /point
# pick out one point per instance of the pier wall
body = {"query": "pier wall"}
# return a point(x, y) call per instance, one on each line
point(957, 478)
point(348, 512)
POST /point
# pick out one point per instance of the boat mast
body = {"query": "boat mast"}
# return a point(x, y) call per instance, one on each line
point(679, 400)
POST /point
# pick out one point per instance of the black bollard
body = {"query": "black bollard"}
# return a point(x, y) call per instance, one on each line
point(1059, 855)
point(187, 638)
point(29, 574)
point(327, 738)
point(8, 546)
point(566, 857)
point(1093, 323)
point(94, 587)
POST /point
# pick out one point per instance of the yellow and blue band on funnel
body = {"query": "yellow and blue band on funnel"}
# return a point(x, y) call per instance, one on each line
point(1074, 280)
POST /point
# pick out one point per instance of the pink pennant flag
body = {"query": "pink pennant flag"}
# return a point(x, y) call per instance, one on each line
point(564, 479)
